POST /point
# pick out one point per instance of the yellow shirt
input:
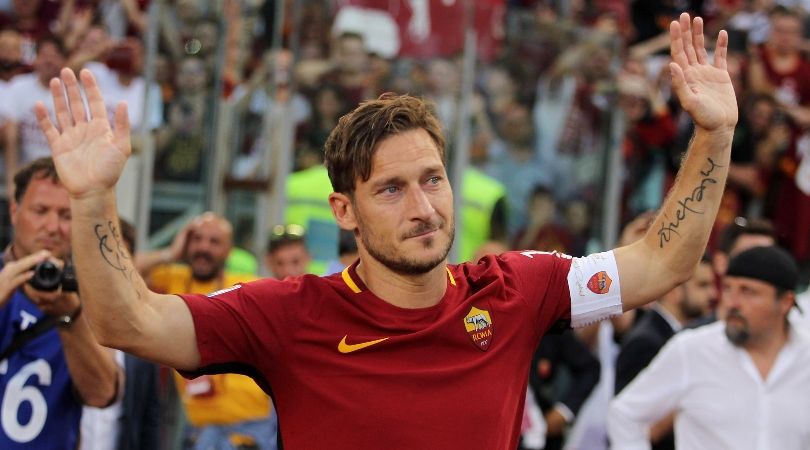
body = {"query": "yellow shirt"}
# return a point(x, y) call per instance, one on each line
point(212, 399)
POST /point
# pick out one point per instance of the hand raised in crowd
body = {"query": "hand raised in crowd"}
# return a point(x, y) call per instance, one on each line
point(178, 248)
point(704, 90)
point(89, 155)
point(15, 273)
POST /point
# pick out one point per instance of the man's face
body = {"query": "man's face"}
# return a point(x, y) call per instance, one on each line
point(516, 127)
point(753, 311)
point(209, 243)
point(786, 34)
point(290, 260)
point(700, 292)
point(351, 56)
point(48, 62)
point(41, 219)
point(404, 212)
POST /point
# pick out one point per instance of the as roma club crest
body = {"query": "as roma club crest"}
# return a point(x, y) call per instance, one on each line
point(478, 324)
point(599, 283)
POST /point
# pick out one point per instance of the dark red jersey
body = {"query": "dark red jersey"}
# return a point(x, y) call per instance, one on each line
point(347, 370)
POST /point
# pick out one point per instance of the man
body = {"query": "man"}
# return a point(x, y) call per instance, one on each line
point(400, 350)
point(739, 383)
point(45, 381)
point(24, 141)
point(218, 407)
point(736, 237)
point(689, 301)
point(287, 254)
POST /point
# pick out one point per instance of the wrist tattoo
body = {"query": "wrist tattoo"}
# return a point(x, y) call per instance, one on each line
point(687, 205)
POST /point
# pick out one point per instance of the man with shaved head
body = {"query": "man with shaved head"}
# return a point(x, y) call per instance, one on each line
point(219, 408)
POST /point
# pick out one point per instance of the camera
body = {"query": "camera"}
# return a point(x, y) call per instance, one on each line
point(48, 277)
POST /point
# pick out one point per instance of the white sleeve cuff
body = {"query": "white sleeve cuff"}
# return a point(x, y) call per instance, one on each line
point(595, 290)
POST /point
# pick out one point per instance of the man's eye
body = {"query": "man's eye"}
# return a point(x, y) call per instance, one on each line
point(391, 190)
point(434, 180)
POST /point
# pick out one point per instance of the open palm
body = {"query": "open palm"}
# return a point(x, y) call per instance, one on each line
point(89, 155)
point(704, 90)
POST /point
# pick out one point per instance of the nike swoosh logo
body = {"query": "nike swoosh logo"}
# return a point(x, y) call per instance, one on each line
point(343, 347)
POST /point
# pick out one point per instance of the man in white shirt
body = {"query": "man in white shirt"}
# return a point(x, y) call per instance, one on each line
point(23, 138)
point(739, 383)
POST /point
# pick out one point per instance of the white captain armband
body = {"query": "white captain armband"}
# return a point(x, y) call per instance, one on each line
point(595, 290)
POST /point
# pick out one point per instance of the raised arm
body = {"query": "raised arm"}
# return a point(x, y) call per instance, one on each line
point(674, 243)
point(89, 156)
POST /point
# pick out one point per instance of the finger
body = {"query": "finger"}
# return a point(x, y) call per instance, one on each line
point(94, 99)
point(686, 34)
point(699, 40)
point(121, 131)
point(30, 260)
point(22, 278)
point(45, 124)
point(60, 104)
point(721, 50)
point(679, 84)
point(676, 44)
point(74, 95)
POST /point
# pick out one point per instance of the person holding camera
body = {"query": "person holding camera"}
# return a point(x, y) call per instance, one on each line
point(51, 364)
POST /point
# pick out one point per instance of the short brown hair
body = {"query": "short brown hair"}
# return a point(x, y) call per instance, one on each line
point(743, 227)
point(350, 147)
point(39, 168)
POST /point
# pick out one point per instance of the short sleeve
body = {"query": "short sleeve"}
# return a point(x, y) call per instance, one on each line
point(245, 324)
point(540, 278)
point(221, 325)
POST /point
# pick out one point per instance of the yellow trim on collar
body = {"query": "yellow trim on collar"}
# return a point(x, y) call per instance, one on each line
point(347, 278)
point(349, 282)
point(452, 280)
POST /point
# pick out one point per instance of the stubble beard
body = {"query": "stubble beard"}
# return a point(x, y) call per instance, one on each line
point(387, 255)
point(204, 275)
point(738, 335)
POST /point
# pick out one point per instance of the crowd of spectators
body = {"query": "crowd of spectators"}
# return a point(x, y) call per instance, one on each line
point(542, 113)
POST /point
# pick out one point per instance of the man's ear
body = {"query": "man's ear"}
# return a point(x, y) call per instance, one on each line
point(786, 301)
point(12, 210)
point(343, 210)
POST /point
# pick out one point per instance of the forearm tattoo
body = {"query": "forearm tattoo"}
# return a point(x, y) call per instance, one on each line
point(113, 249)
point(687, 205)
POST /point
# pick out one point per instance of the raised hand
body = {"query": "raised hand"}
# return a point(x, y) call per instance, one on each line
point(89, 155)
point(704, 90)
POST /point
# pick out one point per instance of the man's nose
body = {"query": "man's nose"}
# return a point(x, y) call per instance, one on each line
point(52, 222)
point(419, 205)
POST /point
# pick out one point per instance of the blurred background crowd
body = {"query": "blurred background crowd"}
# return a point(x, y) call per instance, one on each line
point(561, 124)
point(565, 106)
